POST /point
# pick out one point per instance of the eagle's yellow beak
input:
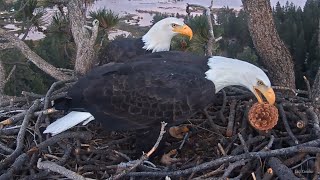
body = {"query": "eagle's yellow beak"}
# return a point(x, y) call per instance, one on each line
point(267, 92)
point(184, 30)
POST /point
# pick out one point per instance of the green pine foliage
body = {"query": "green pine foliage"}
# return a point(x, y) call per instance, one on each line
point(236, 40)
point(298, 28)
point(24, 78)
point(107, 18)
point(4, 5)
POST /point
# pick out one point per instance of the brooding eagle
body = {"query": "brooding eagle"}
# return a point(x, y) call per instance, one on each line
point(164, 86)
point(157, 39)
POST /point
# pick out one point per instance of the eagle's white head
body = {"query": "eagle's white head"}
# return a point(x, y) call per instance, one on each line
point(158, 38)
point(225, 72)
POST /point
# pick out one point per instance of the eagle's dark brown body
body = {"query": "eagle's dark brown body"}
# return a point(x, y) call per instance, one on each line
point(166, 86)
point(120, 50)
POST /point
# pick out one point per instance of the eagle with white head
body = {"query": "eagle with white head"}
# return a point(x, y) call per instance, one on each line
point(166, 86)
point(157, 39)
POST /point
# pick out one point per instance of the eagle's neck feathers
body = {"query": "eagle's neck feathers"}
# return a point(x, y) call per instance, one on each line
point(225, 72)
point(157, 40)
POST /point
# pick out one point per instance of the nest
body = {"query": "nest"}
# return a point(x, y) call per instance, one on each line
point(263, 116)
point(214, 140)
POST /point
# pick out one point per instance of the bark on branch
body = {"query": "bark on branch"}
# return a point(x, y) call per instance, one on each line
point(2, 79)
point(83, 38)
point(60, 169)
point(33, 57)
point(6, 46)
point(273, 52)
point(315, 92)
point(211, 39)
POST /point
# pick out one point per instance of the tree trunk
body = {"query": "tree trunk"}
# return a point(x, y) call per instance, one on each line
point(319, 34)
point(33, 57)
point(273, 52)
point(315, 92)
point(2, 79)
point(83, 39)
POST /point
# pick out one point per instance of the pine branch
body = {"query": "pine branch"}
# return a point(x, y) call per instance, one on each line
point(211, 40)
point(10, 74)
point(33, 57)
point(6, 46)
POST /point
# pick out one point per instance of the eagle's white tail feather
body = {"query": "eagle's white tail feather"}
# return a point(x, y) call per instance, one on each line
point(68, 121)
point(88, 120)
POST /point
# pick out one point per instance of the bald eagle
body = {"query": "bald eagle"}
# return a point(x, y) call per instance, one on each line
point(157, 39)
point(154, 88)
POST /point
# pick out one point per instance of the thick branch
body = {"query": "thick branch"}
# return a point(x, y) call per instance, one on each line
point(84, 41)
point(273, 52)
point(319, 34)
point(6, 46)
point(315, 92)
point(261, 154)
point(211, 39)
point(59, 169)
point(2, 79)
point(281, 170)
point(33, 57)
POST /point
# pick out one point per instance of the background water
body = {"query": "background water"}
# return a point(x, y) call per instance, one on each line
point(124, 7)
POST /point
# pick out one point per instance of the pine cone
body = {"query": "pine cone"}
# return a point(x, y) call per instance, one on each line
point(263, 116)
point(178, 131)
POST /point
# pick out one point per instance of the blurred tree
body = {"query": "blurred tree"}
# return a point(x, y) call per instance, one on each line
point(311, 16)
point(273, 52)
point(29, 74)
point(27, 14)
point(4, 5)
point(199, 26)
point(316, 85)
point(107, 20)
point(60, 25)
point(24, 78)
point(158, 16)
point(248, 55)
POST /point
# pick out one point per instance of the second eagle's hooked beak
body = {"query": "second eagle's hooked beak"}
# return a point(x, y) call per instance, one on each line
point(267, 92)
point(184, 30)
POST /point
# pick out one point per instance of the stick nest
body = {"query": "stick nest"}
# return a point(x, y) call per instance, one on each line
point(222, 144)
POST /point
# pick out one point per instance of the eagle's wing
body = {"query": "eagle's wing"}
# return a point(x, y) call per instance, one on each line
point(121, 50)
point(139, 94)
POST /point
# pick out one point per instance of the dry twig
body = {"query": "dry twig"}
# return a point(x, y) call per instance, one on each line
point(59, 169)
point(20, 136)
point(144, 156)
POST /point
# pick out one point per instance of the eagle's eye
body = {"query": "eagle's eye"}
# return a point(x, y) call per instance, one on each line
point(174, 25)
point(260, 83)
